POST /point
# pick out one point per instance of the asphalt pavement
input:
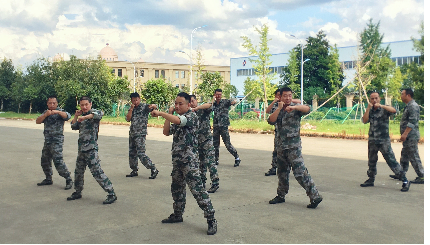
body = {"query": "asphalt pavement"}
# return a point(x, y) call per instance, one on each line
point(348, 214)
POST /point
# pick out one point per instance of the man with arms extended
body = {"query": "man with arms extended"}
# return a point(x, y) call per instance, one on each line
point(221, 122)
point(269, 110)
point(185, 161)
point(87, 121)
point(138, 115)
point(288, 116)
point(379, 140)
point(410, 135)
point(53, 122)
point(206, 147)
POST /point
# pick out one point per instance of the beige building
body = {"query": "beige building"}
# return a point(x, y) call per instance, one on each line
point(139, 72)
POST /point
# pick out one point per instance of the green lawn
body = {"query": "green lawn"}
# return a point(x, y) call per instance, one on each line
point(326, 126)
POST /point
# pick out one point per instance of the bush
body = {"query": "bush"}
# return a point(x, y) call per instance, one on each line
point(251, 115)
point(233, 115)
point(318, 115)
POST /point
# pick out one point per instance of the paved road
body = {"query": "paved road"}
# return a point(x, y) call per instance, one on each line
point(348, 214)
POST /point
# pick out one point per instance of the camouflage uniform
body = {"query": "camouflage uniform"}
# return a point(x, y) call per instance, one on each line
point(275, 142)
point(220, 127)
point(53, 146)
point(186, 166)
point(206, 147)
point(290, 154)
point(410, 119)
point(379, 140)
point(137, 138)
point(88, 152)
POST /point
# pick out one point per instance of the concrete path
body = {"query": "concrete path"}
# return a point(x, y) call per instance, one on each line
point(348, 213)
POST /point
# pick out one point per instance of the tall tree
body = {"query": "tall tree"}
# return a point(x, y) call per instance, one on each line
point(7, 77)
point(262, 63)
point(292, 72)
point(17, 88)
point(159, 92)
point(210, 82)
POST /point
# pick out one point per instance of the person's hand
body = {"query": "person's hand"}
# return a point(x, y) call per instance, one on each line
point(403, 137)
point(370, 105)
point(155, 113)
point(171, 110)
point(55, 111)
point(290, 108)
point(276, 99)
point(48, 113)
point(81, 119)
point(132, 106)
point(78, 112)
point(376, 105)
point(152, 107)
point(194, 109)
point(280, 104)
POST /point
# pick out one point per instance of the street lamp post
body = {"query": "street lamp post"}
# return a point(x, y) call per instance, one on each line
point(191, 58)
point(301, 70)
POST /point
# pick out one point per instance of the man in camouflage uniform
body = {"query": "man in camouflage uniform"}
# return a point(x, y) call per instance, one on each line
point(288, 116)
point(269, 110)
point(206, 147)
point(221, 122)
point(138, 115)
point(53, 122)
point(379, 139)
point(87, 121)
point(185, 161)
point(410, 135)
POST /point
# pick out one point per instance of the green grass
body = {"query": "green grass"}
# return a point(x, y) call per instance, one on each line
point(326, 126)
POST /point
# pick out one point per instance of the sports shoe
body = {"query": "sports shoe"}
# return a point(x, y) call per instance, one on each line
point(110, 198)
point(276, 200)
point(75, 195)
point(315, 202)
point(405, 186)
point(367, 183)
point(173, 219)
point(154, 173)
point(132, 174)
point(271, 171)
point(418, 180)
point(236, 162)
point(213, 188)
point(216, 162)
point(394, 176)
point(69, 184)
point(212, 226)
point(45, 182)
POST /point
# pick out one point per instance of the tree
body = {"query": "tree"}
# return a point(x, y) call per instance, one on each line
point(17, 88)
point(119, 91)
point(7, 77)
point(252, 89)
point(210, 82)
point(292, 72)
point(159, 92)
point(262, 64)
point(394, 84)
point(230, 91)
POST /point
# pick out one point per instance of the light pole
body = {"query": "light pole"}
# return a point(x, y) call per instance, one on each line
point(191, 57)
point(301, 70)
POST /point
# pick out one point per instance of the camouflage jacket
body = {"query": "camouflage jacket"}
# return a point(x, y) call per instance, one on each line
point(139, 120)
point(54, 125)
point(288, 134)
point(275, 106)
point(379, 130)
point(88, 131)
point(204, 132)
point(185, 145)
point(410, 119)
point(221, 112)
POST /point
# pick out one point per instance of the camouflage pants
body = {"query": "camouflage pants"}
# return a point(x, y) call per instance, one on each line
point(183, 174)
point(292, 159)
point(410, 154)
point(223, 132)
point(387, 153)
point(53, 151)
point(136, 150)
point(90, 158)
point(207, 160)
point(275, 153)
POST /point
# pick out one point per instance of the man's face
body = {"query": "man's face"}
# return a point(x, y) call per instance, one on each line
point(278, 95)
point(404, 96)
point(218, 96)
point(181, 105)
point(374, 98)
point(193, 102)
point(135, 101)
point(287, 97)
point(52, 103)
point(85, 105)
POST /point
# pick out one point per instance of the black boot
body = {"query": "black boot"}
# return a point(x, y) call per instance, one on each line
point(154, 173)
point(69, 184)
point(45, 182)
point(75, 195)
point(111, 198)
point(132, 174)
point(173, 218)
point(213, 188)
point(271, 171)
point(212, 226)
point(369, 182)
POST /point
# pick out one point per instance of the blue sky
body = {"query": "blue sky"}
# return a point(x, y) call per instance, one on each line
point(155, 30)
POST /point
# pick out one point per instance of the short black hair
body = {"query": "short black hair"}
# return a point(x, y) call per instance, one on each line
point(374, 92)
point(218, 90)
point(186, 96)
point(409, 91)
point(85, 98)
point(134, 95)
point(193, 96)
point(52, 97)
point(285, 89)
point(276, 91)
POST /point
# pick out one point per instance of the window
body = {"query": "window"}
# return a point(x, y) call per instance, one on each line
point(163, 74)
point(183, 85)
point(157, 73)
point(177, 75)
point(113, 71)
point(177, 85)
point(120, 72)
point(182, 74)
point(142, 73)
